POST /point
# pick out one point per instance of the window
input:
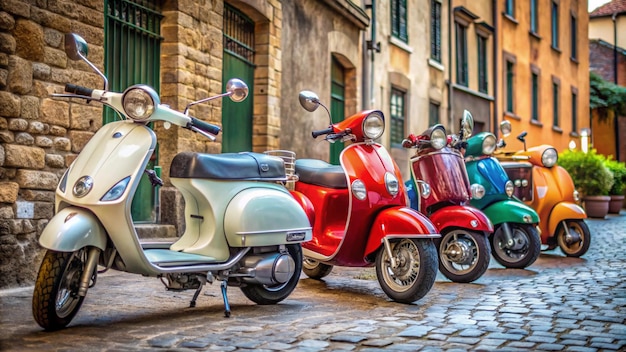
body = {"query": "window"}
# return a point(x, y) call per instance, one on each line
point(555, 102)
point(483, 84)
point(461, 55)
point(555, 25)
point(510, 84)
point(534, 109)
point(534, 20)
point(398, 20)
point(433, 113)
point(509, 8)
point(435, 30)
point(397, 117)
point(574, 110)
point(573, 37)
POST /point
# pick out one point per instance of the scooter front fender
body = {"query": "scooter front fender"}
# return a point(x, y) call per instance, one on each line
point(562, 211)
point(511, 211)
point(73, 228)
point(399, 222)
point(461, 216)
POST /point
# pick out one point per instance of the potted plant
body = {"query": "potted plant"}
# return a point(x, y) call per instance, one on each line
point(592, 179)
point(619, 184)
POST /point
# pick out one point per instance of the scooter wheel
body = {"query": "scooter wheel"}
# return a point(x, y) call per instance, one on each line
point(316, 270)
point(577, 242)
point(463, 255)
point(55, 298)
point(414, 272)
point(524, 250)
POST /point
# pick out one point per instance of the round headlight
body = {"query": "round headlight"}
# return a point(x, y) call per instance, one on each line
point(489, 144)
point(374, 125)
point(139, 102)
point(438, 138)
point(83, 186)
point(392, 184)
point(509, 188)
point(478, 191)
point(549, 157)
point(358, 189)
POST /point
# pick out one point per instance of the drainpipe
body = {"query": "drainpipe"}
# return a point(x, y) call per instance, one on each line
point(374, 48)
point(450, 89)
point(494, 10)
point(615, 117)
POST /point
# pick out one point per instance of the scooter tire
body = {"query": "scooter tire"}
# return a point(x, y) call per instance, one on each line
point(316, 270)
point(480, 250)
point(55, 297)
point(265, 295)
point(516, 260)
point(420, 254)
point(574, 249)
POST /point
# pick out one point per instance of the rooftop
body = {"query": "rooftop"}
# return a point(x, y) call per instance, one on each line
point(608, 9)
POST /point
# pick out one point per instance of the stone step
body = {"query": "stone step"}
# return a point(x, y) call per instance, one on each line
point(156, 231)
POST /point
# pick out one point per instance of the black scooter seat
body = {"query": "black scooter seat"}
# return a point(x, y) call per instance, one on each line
point(228, 166)
point(321, 173)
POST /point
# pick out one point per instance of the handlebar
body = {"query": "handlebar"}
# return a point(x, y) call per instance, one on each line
point(315, 134)
point(204, 126)
point(84, 91)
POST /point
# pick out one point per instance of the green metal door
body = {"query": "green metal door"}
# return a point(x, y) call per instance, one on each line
point(132, 48)
point(238, 63)
point(337, 104)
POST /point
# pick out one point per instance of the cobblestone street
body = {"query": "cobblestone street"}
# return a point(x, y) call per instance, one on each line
point(558, 304)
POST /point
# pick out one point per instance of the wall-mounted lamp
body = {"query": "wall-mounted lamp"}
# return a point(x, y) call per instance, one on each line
point(584, 139)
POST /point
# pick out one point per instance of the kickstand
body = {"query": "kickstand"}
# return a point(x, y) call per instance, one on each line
point(195, 295)
point(226, 305)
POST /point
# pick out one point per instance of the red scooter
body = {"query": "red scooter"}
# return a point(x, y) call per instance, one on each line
point(359, 211)
point(444, 194)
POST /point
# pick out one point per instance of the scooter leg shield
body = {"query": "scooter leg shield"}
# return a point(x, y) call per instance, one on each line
point(461, 216)
point(399, 222)
point(511, 211)
point(71, 229)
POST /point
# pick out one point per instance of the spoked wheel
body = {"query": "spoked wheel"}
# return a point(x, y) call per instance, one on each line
point(414, 272)
point(576, 241)
point(523, 250)
point(463, 255)
point(265, 294)
point(55, 299)
point(316, 270)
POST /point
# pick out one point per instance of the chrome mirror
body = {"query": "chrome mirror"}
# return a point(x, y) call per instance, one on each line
point(309, 100)
point(467, 125)
point(505, 128)
point(237, 89)
point(75, 47)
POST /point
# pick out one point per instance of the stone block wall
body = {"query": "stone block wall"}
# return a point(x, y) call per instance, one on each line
point(39, 136)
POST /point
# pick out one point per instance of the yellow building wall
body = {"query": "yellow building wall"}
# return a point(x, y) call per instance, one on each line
point(529, 50)
point(602, 28)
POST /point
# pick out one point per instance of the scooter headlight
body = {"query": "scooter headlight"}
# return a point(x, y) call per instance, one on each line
point(359, 190)
point(374, 125)
point(116, 191)
point(509, 188)
point(576, 196)
point(83, 186)
point(478, 191)
point(438, 138)
point(549, 157)
point(139, 102)
point(489, 144)
point(392, 184)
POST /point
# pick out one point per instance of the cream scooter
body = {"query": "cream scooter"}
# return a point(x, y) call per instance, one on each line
point(243, 227)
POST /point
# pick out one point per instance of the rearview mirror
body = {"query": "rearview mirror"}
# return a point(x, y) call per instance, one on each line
point(237, 89)
point(467, 125)
point(75, 47)
point(309, 100)
point(505, 128)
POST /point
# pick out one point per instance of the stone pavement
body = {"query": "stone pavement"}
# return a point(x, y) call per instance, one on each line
point(557, 304)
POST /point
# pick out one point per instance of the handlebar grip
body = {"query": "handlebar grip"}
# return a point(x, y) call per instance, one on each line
point(315, 134)
point(84, 91)
point(205, 126)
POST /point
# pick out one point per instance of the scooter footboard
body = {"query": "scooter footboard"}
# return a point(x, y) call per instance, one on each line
point(399, 222)
point(73, 228)
point(461, 216)
point(265, 217)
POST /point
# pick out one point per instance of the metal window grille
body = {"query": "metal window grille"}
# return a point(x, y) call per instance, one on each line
point(397, 116)
point(398, 20)
point(535, 96)
point(483, 84)
point(132, 45)
point(238, 34)
point(435, 30)
point(461, 55)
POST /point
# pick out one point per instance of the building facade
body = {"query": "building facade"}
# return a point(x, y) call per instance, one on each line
point(543, 60)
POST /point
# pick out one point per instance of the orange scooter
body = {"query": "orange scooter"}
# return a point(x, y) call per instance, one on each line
point(549, 189)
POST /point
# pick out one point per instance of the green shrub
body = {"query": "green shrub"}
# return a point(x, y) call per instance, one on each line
point(619, 176)
point(588, 171)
